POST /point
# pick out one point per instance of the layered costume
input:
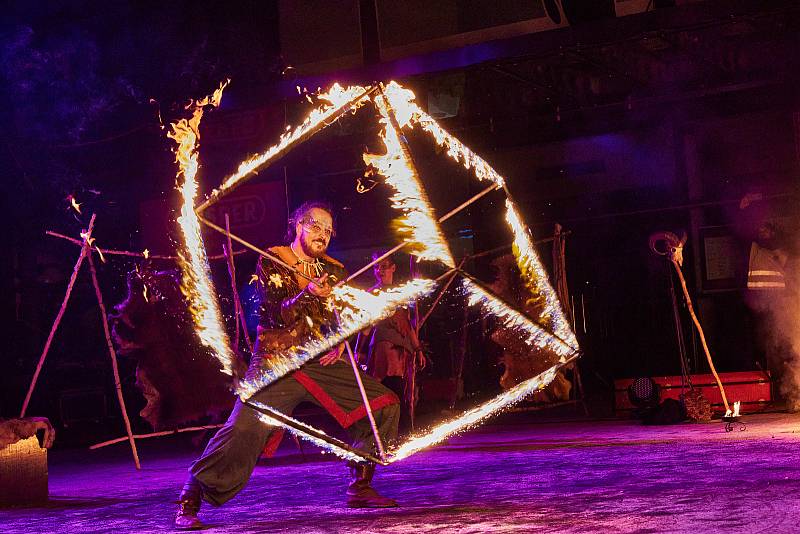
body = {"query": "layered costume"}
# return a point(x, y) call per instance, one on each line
point(390, 359)
point(289, 314)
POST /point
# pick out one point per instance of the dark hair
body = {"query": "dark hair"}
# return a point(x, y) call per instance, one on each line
point(300, 212)
point(378, 253)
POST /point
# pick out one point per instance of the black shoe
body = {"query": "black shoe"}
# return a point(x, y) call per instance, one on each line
point(189, 504)
point(360, 494)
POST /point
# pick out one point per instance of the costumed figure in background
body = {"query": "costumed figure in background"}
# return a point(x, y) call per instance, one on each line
point(292, 310)
point(394, 353)
point(772, 289)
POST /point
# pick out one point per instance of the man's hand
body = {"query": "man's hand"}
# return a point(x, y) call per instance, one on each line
point(319, 287)
point(331, 357)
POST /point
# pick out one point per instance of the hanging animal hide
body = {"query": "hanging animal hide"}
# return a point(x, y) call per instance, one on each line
point(180, 380)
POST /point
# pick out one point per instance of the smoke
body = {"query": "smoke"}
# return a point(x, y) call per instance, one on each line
point(779, 332)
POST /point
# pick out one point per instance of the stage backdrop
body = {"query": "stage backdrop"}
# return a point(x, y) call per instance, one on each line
point(257, 213)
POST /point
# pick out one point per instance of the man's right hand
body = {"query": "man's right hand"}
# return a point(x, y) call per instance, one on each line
point(319, 287)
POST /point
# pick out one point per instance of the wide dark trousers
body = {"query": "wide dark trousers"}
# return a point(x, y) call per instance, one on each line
point(229, 458)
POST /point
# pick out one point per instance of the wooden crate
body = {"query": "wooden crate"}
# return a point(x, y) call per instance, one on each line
point(23, 473)
point(752, 388)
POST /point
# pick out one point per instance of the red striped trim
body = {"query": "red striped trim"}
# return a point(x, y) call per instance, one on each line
point(343, 418)
point(271, 446)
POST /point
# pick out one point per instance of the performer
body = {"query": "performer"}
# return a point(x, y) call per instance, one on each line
point(393, 344)
point(292, 310)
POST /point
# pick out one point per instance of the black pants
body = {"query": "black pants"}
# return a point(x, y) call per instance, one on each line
point(229, 458)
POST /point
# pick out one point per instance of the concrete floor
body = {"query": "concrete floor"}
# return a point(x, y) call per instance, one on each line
point(601, 476)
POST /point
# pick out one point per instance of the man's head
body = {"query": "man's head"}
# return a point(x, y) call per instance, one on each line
point(311, 228)
point(384, 269)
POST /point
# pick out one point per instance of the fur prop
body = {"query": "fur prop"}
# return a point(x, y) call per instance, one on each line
point(181, 382)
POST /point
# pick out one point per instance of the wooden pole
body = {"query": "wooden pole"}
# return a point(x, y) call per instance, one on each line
point(700, 331)
point(237, 303)
point(112, 353)
point(154, 435)
point(365, 398)
point(84, 252)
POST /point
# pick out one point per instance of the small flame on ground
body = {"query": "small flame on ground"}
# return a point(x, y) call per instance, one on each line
point(735, 412)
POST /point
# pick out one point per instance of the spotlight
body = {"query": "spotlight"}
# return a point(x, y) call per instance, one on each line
point(644, 393)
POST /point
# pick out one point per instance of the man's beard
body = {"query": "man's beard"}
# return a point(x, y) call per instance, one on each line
point(312, 249)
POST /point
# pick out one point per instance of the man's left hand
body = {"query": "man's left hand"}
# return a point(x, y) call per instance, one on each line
point(330, 358)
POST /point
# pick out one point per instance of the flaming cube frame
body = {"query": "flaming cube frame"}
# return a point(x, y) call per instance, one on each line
point(359, 309)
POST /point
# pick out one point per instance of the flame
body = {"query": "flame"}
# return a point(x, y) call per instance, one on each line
point(337, 97)
point(536, 280)
point(474, 416)
point(735, 412)
point(298, 431)
point(357, 310)
point(146, 253)
point(74, 203)
point(535, 334)
point(196, 282)
point(417, 223)
point(401, 101)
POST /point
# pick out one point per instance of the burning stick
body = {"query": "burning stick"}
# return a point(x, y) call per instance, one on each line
point(83, 254)
point(114, 366)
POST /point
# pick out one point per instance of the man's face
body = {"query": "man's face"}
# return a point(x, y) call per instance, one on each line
point(384, 271)
point(314, 232)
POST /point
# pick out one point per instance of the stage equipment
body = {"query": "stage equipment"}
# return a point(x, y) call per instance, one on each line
point(751, 387)
point(644, 393)
point(417, 228)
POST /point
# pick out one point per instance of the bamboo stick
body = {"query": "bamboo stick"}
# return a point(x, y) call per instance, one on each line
point(153, 435)
point(84, 249)
point(114, 366)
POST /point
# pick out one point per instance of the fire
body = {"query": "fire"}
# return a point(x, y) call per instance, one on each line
point(74, 203)
point(535, 278)
point(357, 309)
point(298, 430)
point(474, 416)
point(735, 412)
point(535, 334)
point(401, 101)
point(417, 224)
point(337, 97)
point(196, 281)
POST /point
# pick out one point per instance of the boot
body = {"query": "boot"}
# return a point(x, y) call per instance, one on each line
point(189, 504)
point(360, 494)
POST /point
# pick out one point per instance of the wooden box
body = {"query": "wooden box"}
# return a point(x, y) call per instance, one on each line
point(23, 473)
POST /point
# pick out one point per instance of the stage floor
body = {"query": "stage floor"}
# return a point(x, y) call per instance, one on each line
point(597, 476)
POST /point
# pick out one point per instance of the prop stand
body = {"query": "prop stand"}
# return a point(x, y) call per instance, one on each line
point(86, 252)
point(674, 253)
